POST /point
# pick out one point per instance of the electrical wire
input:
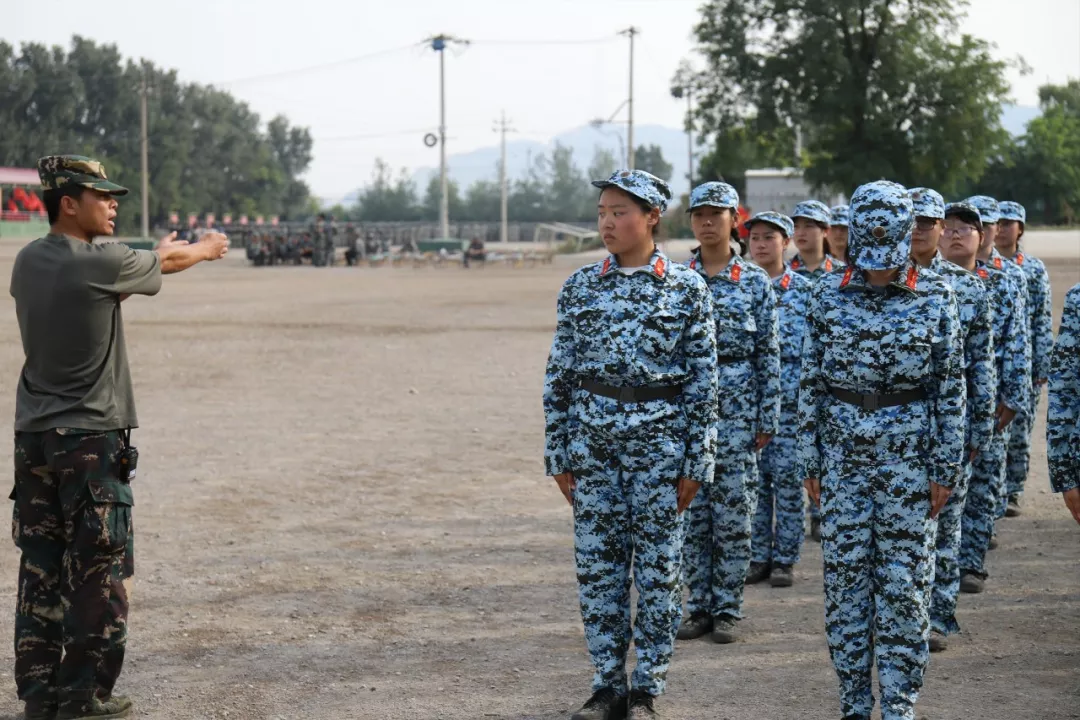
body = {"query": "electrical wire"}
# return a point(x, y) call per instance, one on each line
point(321, 66)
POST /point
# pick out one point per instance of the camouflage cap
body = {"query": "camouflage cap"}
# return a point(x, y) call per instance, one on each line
point(989, 212)
point(714, 194)
point(640, 184)
point(881, 219)
point(57, 171)
point(966, 212)
point(812, 210)
point(778, 220)
point(838, 216)
point(928, 203)
point(1012, 211)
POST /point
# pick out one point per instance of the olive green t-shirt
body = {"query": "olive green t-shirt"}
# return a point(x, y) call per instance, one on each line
point(67, 299)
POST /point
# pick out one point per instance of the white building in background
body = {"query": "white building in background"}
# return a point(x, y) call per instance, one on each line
point(780, 189)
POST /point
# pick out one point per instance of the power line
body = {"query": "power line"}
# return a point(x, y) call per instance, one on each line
point(321, 66)
point(589, 41)
point(374, 136)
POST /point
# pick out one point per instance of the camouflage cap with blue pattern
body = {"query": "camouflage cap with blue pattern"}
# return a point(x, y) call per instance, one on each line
point(881, 219)
point(1012, 211)
point(966, 212)
point(812, 210)
point(714, 194)
point(778, 220)
point(838, 216)
point(640, 184)
point(58, 171)
point(989, 211)
point(928, 203)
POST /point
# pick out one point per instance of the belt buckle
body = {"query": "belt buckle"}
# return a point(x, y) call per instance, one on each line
point(869, 403)
point(626, 394)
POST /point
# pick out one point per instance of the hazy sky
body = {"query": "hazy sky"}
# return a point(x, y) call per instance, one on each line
point(381, 102)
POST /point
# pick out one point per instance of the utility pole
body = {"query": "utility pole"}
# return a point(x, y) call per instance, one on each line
point(690, 134)
point(630, 32)
point(438, 44)
point(502, 127)
point(145, 159)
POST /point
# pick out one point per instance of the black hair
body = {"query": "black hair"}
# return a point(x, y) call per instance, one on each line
point(971, 218)
point(51, 198)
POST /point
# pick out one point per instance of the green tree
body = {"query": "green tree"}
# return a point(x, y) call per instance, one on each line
point(483, 202)
point(387, 199)
point(878, 88)
point(565, 197)
point(603, 163)
point(433, 199)
point(651, 159)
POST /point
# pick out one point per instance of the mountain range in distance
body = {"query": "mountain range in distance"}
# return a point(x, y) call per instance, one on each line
point(483, 163)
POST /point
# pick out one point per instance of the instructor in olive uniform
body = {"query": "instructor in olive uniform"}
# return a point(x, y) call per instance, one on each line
point(74, 411)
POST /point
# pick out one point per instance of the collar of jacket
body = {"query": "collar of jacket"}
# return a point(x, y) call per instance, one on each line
point(939, 261)
point(658, 265)
point(784, 281)
point(732, 272)
point(907, 280)
point(827, 264)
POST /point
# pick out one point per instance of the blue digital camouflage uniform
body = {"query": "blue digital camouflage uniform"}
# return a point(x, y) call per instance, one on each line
point(838, 215)
point(780, 484)
point(1063, 400)
point(1041, 331)
point(648, 329)
point(876, 463)
point(719, 523)
point(976, 337)
point(818, 212)
point(1012, 357)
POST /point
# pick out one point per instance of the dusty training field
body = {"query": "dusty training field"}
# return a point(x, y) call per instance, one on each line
point(341, 513)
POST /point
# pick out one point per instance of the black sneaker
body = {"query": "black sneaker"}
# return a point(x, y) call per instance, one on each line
point(758, 571)
point(971, 583)
point(34, 711)
point(603, 705)
point(1013, 508)
point(938, 641)
point(782, 576)
point(694, 627)
point(641, 706)
point(724, 631)
point(815, 529)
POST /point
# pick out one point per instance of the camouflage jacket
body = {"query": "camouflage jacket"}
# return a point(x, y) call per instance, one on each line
point(744, 308)
point(1040, 316)
point(977, 338)
point(1063, 411)
point(792, 301)
point(867, 340)
point(651, 328)
point(827, 266)
point(1012, 351)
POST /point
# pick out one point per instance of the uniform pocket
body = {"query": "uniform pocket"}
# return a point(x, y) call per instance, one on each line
point(106, 518)
point(661, 333)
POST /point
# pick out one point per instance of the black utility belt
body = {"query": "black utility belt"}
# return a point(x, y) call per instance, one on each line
point(728, 359)
point(632, 394)
point(873, 402)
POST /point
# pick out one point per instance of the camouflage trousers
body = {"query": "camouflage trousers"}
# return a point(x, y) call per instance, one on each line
point(72, 522)
point(718, 532)
point(983, 505)
point(947, 559)
point(1018, 453)
point(626, 520)
point(877, 539)
point(779, 492)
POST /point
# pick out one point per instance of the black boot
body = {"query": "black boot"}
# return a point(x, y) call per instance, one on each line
point(641, 706)
point(694, 626)
point(603, 705)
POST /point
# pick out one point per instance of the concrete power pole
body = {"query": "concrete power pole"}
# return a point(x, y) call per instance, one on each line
point(502, 127)
point(630, 32)
point(438, 44)
point(145, 159)
point(690, 134)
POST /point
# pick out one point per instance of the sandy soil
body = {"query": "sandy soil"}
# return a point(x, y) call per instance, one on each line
point(342, 513)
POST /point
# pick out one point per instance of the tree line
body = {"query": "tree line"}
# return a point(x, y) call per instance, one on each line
point(208, 151)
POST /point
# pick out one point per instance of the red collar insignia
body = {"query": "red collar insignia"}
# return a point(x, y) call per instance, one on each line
point(659, 267)
point(912, 277)
point(795, 264)
point(693, 263)
point(607, 266)
point(736, 273)
point(828, 264)
point(847, 276)
point(1019, 258)
point(997, 262)
point(981, 272)
point(785, 281)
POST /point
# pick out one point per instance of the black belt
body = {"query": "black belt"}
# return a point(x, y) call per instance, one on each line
point(632, 394)
point(873, 402)
point(728, 359)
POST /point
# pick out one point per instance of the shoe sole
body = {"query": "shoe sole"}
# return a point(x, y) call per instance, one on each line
point(781, 582)
point(111, 716)
point(971, 590)
point(723, 638)
point(938, 648)
point(1011, 512)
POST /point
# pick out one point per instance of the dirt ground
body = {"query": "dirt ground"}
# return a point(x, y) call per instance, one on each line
point(341, 513)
